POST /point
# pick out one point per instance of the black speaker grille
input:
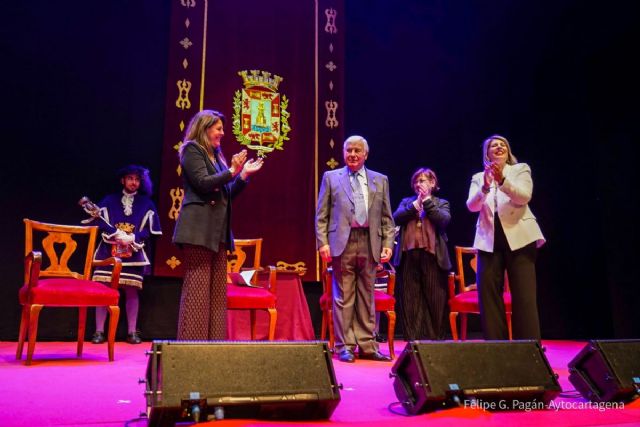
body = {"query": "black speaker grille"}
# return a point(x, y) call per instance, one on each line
point(227, 370)
point(484, 366)
point(431, 374)
point(624, 359)
point(607, 370)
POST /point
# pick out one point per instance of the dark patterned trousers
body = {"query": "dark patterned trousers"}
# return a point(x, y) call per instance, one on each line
point(424, 296)
point(203, 302)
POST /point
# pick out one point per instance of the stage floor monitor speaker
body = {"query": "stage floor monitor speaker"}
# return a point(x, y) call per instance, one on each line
point(607, 370)
point(492, 375)
point(264, 380)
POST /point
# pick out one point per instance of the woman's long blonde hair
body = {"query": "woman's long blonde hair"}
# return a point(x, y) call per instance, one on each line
point(197, 129)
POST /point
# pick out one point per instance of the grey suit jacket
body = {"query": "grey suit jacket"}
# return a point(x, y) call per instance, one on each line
point(336, 208)
point(205, 214)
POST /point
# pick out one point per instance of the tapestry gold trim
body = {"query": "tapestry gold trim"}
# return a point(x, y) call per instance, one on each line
point(186, 43)
point(184, 87)
point(299, 267)
point(330, 26)
point(332, 163)
point(173, 262)
point(204, 53)
point(331, 121)
point(177, 194)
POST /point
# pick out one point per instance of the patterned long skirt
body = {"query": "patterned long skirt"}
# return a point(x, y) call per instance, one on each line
point(203, 303)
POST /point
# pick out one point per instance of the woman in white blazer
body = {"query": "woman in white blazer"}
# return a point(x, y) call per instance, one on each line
point(507, 238)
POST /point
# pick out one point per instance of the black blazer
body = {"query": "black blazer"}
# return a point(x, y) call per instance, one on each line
point(205, 213)
point(437, 211)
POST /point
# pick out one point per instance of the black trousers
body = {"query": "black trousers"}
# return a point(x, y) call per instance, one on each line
point(520, 267)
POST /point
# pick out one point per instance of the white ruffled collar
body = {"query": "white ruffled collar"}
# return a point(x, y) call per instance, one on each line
point(127, 202)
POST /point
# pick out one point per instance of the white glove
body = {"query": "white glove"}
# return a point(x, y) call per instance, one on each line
point(124, 238)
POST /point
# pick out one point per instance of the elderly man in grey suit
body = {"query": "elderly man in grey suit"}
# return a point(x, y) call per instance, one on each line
point(354, 232)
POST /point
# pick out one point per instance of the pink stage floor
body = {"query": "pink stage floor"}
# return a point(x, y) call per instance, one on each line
point(59, 390)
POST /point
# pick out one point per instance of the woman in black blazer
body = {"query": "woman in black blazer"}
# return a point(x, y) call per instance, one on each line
point(203, 226)
point(423, 258)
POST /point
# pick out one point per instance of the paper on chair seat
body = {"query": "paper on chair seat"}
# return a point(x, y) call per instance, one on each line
point(243, 278)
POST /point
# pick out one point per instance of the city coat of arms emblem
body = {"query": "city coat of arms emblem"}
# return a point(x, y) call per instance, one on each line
point(260, 116)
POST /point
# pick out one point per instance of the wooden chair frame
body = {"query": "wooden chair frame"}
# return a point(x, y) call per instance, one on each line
point(236, 265)
point(61, 234)
point(462, 287)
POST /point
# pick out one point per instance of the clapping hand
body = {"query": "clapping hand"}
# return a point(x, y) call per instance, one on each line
point(496, 171)
point(237, 161)
point(423, 191)
point(493, 172)
point(488, 175)
point(251, 167)
point(424, 194)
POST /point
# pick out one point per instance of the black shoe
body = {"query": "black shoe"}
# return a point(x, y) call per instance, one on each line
point(347, 355)
point(377, 356)
point(98, 338)
point(134, 338)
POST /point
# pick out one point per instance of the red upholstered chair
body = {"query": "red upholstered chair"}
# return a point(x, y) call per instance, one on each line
point(463, 298)
point(58, 286)
point(385, 302)
point(251, 298)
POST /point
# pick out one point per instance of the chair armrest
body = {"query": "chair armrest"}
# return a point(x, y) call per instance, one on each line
point(115, 274)
point(391, 282)
point(271, 270)
point(386, 271)
point(452, 284)
point(32, 263)
point(327, 281)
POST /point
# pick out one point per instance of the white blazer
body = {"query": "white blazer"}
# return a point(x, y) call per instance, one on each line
point(511, 200)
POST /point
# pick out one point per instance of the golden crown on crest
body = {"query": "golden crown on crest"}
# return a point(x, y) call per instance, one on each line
point(260, 78)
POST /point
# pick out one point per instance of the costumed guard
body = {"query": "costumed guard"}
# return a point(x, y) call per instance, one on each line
point(126, 220)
